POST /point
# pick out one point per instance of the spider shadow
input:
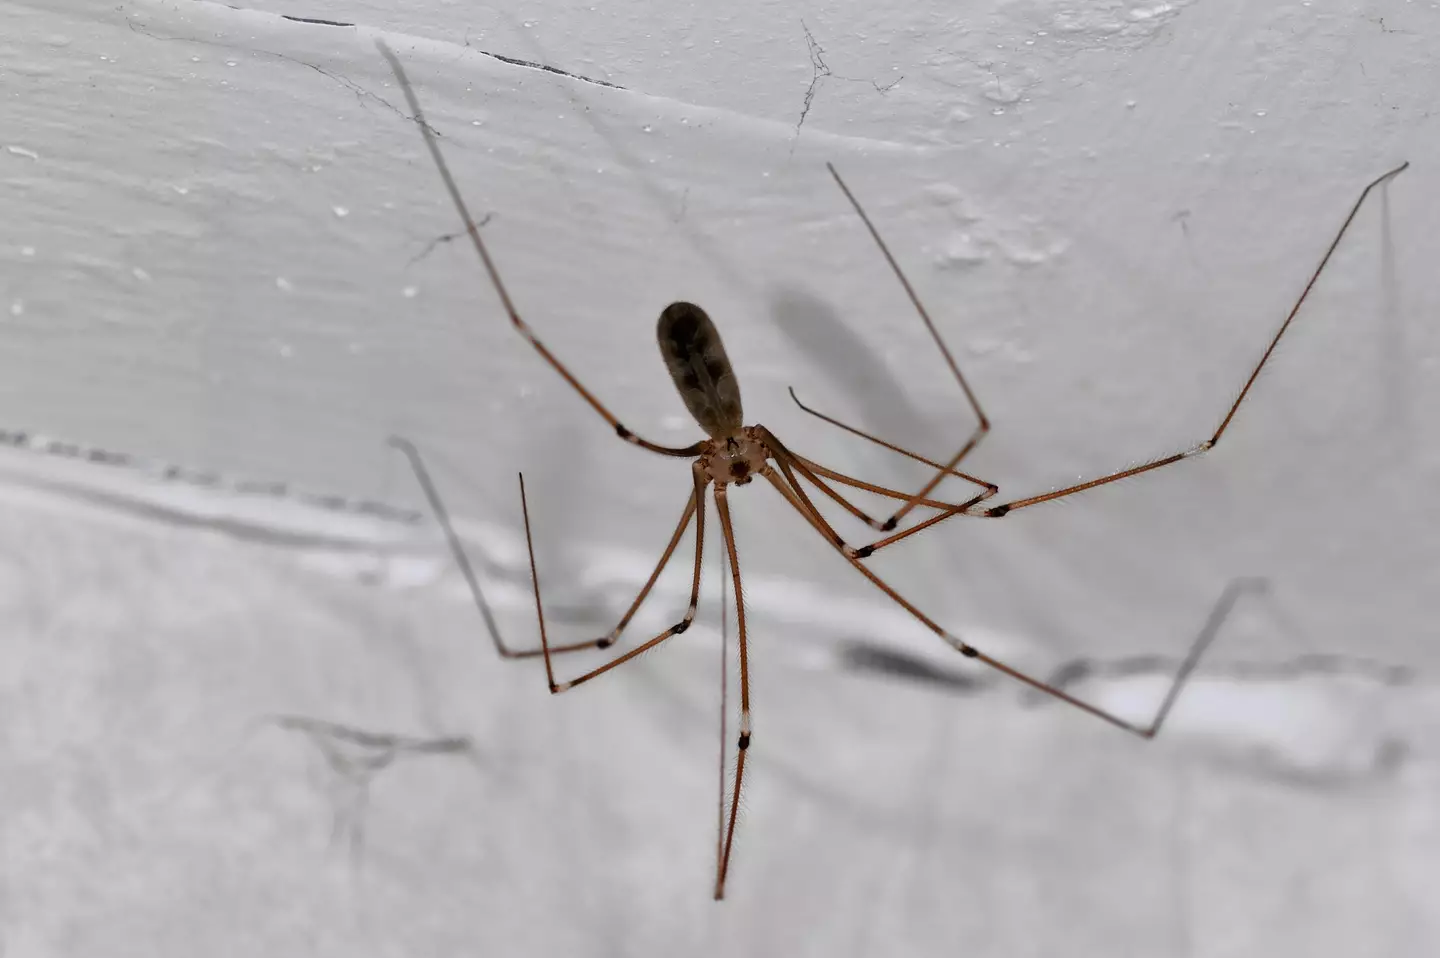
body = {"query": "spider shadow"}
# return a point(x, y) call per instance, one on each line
point(828, 346)
point(353, 758)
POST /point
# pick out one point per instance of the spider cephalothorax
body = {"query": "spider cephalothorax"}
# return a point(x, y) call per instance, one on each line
point(738, 459)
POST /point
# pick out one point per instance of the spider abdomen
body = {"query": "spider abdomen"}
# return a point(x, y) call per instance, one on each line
point(700, 369)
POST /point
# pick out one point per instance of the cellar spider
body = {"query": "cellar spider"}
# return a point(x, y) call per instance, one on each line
point(735, 454)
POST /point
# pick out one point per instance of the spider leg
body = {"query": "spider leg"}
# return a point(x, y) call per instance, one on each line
point(722, 506)
point(981, 429)
point(493, 272)
point(1146, 731)
point(947, 509)
point(889, 445)
point(1208, 444)
point(462, 559)
point(791, 463)
point(698, 501)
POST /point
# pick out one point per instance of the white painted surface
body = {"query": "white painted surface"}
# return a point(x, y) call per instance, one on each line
point(211, 228)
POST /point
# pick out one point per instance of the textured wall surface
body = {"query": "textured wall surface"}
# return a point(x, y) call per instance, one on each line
point(223, 245)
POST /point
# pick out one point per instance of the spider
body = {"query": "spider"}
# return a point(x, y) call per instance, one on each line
point(734, 454)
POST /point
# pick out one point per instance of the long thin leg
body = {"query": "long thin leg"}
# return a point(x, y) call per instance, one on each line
point(1146, 731)
point(610, 638)
point(724, 713)
point(779, 450)
point(990, 487)
point(886, 444)
point(813, 470)
point(457, 550)
point(947, 509)
point(723, 866)
point(984, 423)
point(783, 460)
point(701, 481)
point(650, 582)
point(788, 461)
point(996, 511)
point(474, 233)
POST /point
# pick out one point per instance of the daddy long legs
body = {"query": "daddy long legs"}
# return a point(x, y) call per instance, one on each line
point(734, 454)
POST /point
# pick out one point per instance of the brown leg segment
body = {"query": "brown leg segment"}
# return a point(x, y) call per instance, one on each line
point(787, 461)
point(790, 463)
point(947, 509)
point(779, 451)
point(473, 232)
point(782, 459)
point(723, 866)
point(609, 640)
point(724, 720)
point(990, 487)
point(1208, 444)
point(1001, 510)
point(888, 445)
point(1146, 731)
point(457, 550)
point(556, 687)
point(813, 470)
point(984, 423)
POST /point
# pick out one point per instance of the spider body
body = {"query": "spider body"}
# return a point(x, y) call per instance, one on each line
point(738, 459)
point(706, 381)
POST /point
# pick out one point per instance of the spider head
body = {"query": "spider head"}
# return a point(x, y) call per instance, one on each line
point(735, 459)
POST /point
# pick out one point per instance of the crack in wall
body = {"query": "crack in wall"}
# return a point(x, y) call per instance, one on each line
point(446, 238)
point(360, 92)
point(822, 71)
point(315, 20)
point(543, 67)
point(354, 757)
